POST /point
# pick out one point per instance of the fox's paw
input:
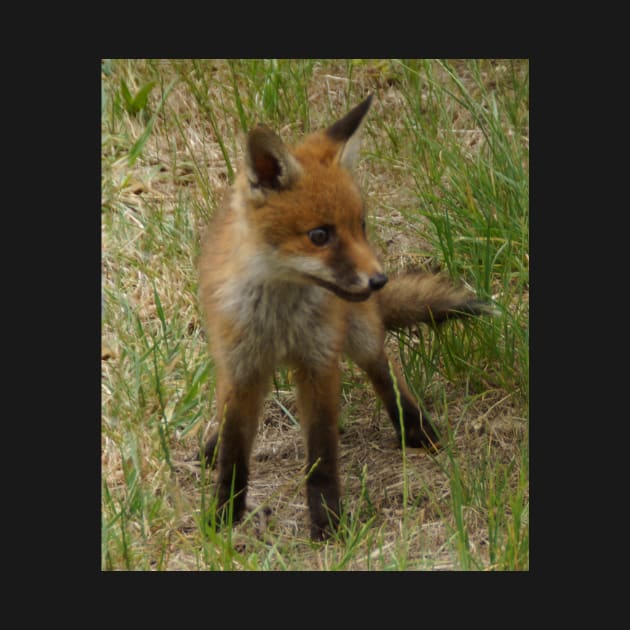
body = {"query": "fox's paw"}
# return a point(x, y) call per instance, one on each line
point(324, 528)
point(258, 518)
point(227, 513)
point(421, 435)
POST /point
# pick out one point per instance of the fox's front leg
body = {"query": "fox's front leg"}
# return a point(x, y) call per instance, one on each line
point(238, 409)
point(318, 392)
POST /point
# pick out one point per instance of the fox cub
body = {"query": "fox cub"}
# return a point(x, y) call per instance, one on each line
point(288, 277)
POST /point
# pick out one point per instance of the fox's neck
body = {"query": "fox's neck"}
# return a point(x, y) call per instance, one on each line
point(261, 290)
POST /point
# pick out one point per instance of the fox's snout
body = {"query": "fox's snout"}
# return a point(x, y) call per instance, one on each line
point(378, 281)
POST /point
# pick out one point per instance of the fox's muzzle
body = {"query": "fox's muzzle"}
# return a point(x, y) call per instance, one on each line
point(378, 281)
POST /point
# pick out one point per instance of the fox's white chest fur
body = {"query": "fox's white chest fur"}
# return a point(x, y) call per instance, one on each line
point(279, 322)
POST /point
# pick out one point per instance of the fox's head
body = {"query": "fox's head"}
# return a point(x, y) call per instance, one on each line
point(307, 210)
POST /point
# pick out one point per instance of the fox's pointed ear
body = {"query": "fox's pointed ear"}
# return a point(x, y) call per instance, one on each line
point(269, 163)
point(346, 132)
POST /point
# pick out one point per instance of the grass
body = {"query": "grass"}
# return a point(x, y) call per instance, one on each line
point(444, 172)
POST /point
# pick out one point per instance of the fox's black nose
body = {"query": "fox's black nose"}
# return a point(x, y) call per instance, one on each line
point(378, 281)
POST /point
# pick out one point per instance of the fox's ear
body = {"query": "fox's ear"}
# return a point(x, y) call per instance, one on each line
point(346, 132)
point(269, 163)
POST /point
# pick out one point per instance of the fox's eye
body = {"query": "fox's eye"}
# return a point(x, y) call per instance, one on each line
point(319, 236)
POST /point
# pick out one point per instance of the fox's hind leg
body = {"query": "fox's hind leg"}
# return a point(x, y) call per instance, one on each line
point(417, 430)
point(365, 347)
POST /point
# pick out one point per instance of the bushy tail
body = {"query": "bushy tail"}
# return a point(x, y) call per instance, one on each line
point(420, 296)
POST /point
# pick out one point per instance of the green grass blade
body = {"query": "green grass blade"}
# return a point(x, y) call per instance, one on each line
point(138, 147)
